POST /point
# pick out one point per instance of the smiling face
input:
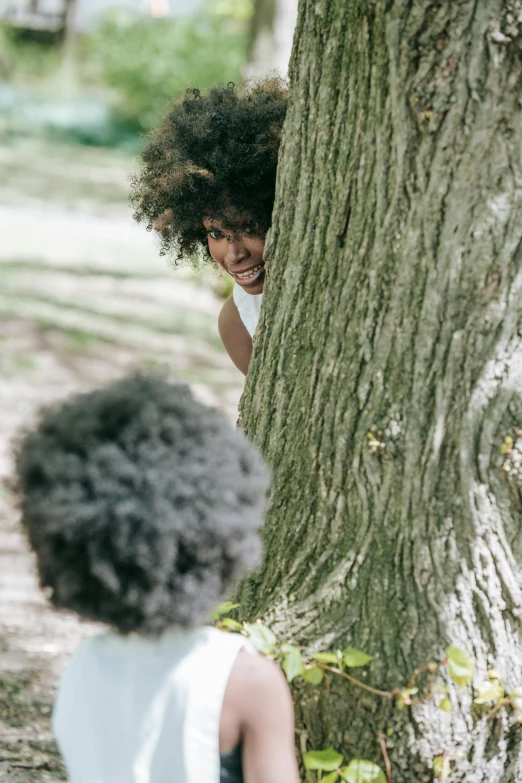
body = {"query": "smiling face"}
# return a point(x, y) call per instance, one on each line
point(241, 256)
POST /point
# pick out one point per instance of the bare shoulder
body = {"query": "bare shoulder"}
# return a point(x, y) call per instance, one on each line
point(234, 334)
point(258, 671)
point(266, 720)
point(264, 683)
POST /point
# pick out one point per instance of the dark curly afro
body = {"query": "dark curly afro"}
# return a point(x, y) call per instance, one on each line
point(141, 504)
point(213, 155)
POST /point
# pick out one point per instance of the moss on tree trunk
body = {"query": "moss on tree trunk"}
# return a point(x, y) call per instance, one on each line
point(387, 371)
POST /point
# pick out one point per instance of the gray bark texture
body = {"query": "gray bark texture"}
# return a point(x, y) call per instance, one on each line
point(393, 306)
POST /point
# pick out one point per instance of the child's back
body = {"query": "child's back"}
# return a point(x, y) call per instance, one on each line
point(144, 709)
point(142, 507)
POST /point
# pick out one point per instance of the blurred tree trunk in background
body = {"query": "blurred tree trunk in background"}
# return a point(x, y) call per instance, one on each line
point(70, 39)
point(386, 383)
point(272, 31)
point(5, 64)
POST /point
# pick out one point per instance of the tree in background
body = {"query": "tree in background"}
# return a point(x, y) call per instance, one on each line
point(385, 388)
point(69, 41)
point(116, 79)
point(271, 35)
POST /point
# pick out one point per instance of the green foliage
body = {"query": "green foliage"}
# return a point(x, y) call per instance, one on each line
point(25, 58)
point(326, 657)
point(313, 675)
point(488, 691)
point(292, 661)
point(461, 666)
point(332, 777)
point(357, 771)
point(312, 667)
point(263, 639)
point(353, 658)
point(362, 771)
point(122, 75)
point(224, 609)
point(241, 10)
point(147, 61)
point(232, 625)
point(326, 760)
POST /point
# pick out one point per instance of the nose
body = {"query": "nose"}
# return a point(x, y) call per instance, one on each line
point(236, 252)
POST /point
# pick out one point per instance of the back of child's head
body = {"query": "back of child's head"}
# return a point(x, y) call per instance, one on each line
point(141, 504)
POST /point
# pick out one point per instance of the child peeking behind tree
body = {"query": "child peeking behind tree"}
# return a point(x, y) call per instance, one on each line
point(143, 508)
point(207, 186)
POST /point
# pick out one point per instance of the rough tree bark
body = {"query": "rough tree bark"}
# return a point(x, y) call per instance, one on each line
point(394, 306)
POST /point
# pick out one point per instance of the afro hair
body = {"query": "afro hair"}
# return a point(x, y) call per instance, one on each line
point(214, 155)
point(142, 505)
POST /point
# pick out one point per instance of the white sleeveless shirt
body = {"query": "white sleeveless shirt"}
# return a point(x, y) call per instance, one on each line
point(248, 306)
point(141, 710)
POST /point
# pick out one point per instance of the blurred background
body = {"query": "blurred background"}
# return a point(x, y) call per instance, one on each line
point(84, 294)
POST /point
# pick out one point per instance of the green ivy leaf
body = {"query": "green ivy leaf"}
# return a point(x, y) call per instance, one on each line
point(362, 771)
point(231, 624)
point(223, 609)
point(446, 705)
point(332, 777)
point(461, 666)
point(326, 657)
point(490, 690)
point(313, 675)
point(354, 658)
point(326, 760)
point(263, 639)
point(441, 767)
point(292, 662)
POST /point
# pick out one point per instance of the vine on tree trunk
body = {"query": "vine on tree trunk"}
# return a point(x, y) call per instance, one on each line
point(314, 668)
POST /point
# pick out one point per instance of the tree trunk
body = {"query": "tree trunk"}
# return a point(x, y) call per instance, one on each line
point(69, 64)
point(386, 381)
point(271, 36)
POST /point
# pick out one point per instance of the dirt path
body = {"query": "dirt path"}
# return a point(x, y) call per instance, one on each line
point(84, 297)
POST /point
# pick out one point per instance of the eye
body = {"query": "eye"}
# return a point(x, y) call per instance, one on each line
point(214, 233)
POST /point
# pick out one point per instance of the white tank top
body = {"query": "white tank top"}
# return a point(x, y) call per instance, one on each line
point(141, 710)
point(248, 306)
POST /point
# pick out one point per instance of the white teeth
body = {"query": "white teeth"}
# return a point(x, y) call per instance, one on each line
point(250, 273)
